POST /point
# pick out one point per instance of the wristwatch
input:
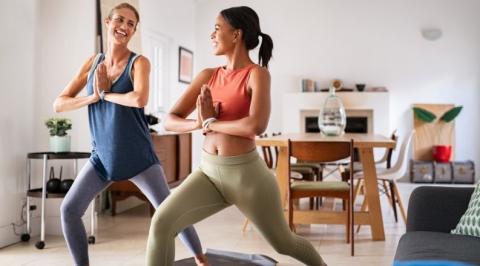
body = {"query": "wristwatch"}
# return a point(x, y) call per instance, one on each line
point(101, 93)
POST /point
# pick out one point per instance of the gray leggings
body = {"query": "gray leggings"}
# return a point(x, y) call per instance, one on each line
point(88, 184)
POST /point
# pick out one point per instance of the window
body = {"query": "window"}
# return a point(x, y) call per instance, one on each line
point(156, 49)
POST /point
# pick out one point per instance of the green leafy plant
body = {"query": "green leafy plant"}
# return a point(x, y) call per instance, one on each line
point(451, 114)
point(58, 126)
point(428, 117)
point(438, 126)
point(424, 115)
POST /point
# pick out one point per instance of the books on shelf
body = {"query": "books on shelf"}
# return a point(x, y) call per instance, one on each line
point(377, 89)
point(308, 85)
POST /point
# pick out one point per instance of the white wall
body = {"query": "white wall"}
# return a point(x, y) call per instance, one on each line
point(16, 77)
point(173, 20)
point(66, 38)
point(374, 42)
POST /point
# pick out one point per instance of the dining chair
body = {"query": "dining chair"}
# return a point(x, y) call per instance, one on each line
point(297, 173)
point(391, 175)
point(310, 170)
point(323, 152)
point(385, 161)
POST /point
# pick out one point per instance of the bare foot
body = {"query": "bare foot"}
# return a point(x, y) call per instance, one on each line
point(201, 260)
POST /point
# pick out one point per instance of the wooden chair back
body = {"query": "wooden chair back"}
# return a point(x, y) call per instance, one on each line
point(394, 137)
point(321, 151)
point(267, 153)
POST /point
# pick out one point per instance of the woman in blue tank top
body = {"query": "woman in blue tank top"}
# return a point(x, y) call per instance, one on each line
point(117, 86)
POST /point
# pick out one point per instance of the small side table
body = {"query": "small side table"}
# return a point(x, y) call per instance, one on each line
point(43, 194)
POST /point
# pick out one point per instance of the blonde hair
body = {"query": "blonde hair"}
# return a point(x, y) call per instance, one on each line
point(124, 5)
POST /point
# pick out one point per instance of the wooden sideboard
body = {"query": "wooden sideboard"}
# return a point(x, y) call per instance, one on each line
point(174, 150)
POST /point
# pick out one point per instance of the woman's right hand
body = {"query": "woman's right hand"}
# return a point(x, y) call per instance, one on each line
point(96, 95)
point(207, 108)
point(103, 82)
point(199, 115)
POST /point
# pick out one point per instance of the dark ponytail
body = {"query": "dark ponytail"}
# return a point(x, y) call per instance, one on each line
point(246, 19)
point(265, 53)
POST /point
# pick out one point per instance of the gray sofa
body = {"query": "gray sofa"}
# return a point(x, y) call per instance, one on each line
point(432, 213)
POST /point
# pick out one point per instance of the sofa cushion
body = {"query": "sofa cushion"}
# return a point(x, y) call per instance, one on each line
point(469, 224)
point(424, 245)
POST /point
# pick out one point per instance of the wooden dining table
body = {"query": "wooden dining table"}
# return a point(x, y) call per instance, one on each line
point(365, 143)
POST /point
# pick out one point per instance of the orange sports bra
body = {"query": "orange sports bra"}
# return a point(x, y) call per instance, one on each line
point(229, 88)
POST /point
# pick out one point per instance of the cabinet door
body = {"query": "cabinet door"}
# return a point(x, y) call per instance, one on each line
point(184, 155)
point(166, 149)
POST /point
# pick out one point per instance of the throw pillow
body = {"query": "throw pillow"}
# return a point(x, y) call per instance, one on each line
point(469, 224)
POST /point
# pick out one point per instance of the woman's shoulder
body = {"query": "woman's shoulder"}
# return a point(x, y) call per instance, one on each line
point(259, 71)
point(87, 65)
point(208, 72)
point(141, 60)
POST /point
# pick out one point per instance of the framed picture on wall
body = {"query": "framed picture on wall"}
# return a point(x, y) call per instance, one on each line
point(185, 65)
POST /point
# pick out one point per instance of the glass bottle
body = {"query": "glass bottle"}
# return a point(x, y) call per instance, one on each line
point(332, 119)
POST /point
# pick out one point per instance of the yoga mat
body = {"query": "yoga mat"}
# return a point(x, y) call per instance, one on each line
point(222, 257)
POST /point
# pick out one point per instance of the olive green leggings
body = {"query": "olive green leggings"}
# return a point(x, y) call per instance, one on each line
point(242, 180)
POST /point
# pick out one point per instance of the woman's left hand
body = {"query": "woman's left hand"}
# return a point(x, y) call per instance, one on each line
point(103, 81)
point(206, 108)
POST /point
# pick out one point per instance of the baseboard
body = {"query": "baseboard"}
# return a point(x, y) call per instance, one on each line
point(53, 226)
point(128, 204)
point(7, 236)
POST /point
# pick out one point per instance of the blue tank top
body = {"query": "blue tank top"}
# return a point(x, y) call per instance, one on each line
point(121, 143)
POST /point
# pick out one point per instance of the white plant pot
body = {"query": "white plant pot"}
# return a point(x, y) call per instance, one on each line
point(60, 144)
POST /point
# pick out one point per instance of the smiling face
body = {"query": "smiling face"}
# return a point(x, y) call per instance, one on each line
point(121, 25)
point(224, 37)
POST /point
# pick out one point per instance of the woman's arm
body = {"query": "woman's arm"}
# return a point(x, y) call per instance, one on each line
point(139, 96)
point(257, 121)
point(176, 118)
point(68, 100)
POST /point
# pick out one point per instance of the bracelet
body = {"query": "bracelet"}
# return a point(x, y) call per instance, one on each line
point(207, 123)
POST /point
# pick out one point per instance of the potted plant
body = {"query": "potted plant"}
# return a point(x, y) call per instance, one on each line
point(59, 140)
point(441, 151)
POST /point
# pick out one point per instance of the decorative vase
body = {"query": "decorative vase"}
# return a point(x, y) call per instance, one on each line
point(332, 119)
point(442, 153)
point(59, 144)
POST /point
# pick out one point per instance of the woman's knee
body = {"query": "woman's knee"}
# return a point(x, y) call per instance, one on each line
point(284, 244)
point(281, 248)
point(70, 210)
point(162, 223)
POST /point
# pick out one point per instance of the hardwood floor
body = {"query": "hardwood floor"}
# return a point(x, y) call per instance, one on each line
point(121, 240)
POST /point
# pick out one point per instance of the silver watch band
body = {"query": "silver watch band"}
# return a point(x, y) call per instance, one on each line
point(101, 93)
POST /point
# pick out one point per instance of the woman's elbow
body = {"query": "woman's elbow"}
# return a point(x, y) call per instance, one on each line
point(57, 107)
point(167, 122)
point(257, 129)
point(141, 102)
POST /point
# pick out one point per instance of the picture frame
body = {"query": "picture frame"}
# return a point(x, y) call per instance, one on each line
point(185, 65)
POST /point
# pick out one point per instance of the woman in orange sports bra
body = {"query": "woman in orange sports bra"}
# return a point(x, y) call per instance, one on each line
point(233, 105)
